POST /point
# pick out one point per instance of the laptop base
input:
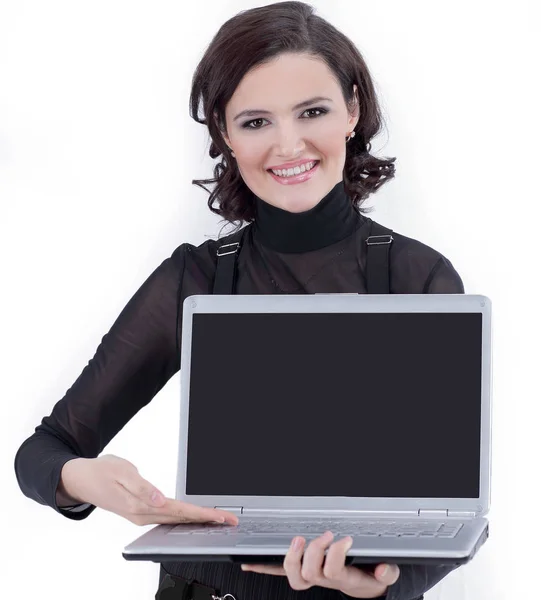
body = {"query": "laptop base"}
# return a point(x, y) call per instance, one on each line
point(279, 559)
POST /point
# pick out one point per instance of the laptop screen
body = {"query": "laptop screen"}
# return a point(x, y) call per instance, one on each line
point(335, 404)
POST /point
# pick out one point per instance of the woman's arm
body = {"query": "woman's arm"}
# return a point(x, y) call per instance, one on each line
point(133, 362)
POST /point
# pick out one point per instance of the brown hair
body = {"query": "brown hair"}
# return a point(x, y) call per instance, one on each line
point(255, 37)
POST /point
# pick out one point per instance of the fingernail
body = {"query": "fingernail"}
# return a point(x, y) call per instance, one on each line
point(384, 571)
point(297, 544)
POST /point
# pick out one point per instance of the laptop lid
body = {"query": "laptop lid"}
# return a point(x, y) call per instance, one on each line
point(336, 402)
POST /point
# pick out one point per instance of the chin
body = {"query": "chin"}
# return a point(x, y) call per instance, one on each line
point(300, 202)
point(302, 205)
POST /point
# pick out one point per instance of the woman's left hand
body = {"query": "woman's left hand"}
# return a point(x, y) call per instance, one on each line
point(333, 574)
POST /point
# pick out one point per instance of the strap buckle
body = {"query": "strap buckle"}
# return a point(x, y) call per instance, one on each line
point(237, 244)
point(389, 239)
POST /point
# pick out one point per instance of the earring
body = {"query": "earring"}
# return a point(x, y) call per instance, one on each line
point(232, 153)
point(351, 135)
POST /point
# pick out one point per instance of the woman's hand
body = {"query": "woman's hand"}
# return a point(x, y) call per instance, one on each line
point(114, 484)
point(334, 574)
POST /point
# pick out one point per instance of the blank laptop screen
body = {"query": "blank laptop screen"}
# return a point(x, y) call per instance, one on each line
point(335, 404)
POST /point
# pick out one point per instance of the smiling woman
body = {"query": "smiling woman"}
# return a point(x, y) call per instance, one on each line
point(290, 107)
point(279, 87)
point(288, 137)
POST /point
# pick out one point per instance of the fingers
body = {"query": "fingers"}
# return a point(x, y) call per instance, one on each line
point(191, 513)
point(265, 569)
point(174, 511)
point(335, 561)
point(169, 510)
point(122, 490)
point(387, 574)
point(314, 555)
point(373, 584)
point(323, 563)
point(293, 566)
point(307, 567)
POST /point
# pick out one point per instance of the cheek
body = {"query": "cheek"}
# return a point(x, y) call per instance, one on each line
point(252, 162)
point(333, 139)
point(333, 150)
point(251, 158)
point(328, 140)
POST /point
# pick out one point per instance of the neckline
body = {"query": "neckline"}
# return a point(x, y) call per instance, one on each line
point(332, 219)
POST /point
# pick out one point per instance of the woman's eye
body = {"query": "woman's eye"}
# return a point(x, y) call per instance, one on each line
point(322, 111)
point(247, 124)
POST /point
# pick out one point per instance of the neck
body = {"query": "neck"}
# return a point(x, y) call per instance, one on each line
point(332, 219)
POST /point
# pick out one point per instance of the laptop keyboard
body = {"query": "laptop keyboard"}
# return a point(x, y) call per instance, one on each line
point(313, 528)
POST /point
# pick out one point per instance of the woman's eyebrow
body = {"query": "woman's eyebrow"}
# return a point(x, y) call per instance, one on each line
point(253, 112)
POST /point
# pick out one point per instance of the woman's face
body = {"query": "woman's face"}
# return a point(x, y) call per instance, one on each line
point(282, 134)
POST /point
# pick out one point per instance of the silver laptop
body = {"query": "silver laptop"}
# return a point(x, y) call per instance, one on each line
point(365, 415)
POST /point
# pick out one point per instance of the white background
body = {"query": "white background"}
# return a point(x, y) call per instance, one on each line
point(97, 154)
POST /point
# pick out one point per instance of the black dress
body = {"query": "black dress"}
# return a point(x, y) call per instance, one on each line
point(320, 250)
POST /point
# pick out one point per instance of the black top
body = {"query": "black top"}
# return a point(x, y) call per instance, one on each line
point(320, 250)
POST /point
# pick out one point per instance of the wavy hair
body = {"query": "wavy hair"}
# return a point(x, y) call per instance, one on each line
point(255, 37)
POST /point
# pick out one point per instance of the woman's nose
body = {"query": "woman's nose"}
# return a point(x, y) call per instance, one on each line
point(289, 141)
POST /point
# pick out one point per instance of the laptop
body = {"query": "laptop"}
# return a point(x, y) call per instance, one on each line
point(365, 415)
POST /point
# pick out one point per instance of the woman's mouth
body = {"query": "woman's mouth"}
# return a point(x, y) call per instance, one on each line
point(296, 175)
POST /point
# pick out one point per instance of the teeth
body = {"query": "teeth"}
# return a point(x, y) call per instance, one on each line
point(295, 171)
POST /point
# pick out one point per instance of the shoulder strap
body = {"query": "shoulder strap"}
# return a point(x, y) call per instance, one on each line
point(378, 246)
point(226, 267)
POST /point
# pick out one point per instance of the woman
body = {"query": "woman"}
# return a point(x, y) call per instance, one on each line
point(290, 106)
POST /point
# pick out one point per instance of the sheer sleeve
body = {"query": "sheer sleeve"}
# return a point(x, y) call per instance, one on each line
point(134, 360)
point(443, 279)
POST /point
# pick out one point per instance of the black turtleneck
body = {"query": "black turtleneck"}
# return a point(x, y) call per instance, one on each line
point(332, 219)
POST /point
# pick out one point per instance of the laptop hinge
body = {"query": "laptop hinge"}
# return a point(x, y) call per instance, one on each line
point(236, 510)
point(461, 513)
point(433, 512)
